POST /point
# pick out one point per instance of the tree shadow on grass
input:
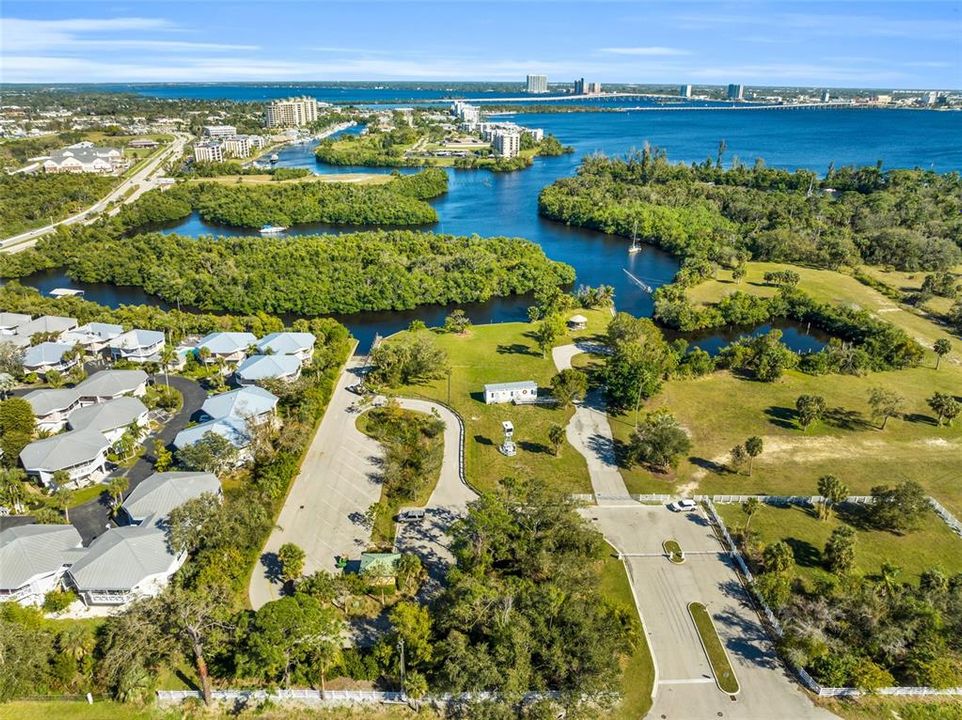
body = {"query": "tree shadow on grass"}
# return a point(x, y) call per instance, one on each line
point(845, 419)
point(482, 440)
point(856, 515)
point(533, 447)
point(920, 418)
point(806, 554)
point(782, 417)
point(517, 349)
point(710, 465)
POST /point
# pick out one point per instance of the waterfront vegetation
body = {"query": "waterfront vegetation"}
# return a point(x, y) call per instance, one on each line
point(323, 273)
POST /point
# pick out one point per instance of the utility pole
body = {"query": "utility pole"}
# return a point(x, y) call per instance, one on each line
point(400, 647)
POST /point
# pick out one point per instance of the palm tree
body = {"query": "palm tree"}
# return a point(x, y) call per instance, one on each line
point(941, 347)
point(13, 492)
point(116, 488)
point(888, 584)
point(77, 641)
point(62, 497)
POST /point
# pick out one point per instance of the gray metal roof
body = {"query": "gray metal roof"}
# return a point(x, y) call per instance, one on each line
point(46, 353)
point(29, 550)
point(46, 401)
point(226, 343)
point(47, 323)
point(12, 320)
point(103, 417)
point(286, 343)
point(232, 429)
point(63, 450)
point(122, 558)
point(261, 367)
point(110, 383)
point(523, 384)
point(92, 332)
point(137, 338)
point(243, 403)
point(162, 492)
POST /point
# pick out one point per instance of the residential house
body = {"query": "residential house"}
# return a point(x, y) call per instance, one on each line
point(9, 322)
point(298, 344)
point(379, 568)
point(49, 356)
point(138, 346)
point(52, 407)
point(247, 403)
point(82, 454)
point(160, 493)
point(111, 418)
point(110, 384)
point(231, 347)
point(123, 564)
point(525, 391)
point(33, 559)
point(92, 337)
point(268, 367)
point(234, 430)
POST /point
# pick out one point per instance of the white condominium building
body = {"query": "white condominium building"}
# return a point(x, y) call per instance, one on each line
point(219, 131)
point(292, 112)
point(506, 143)
point(208, 152)
point(241, 145)
point(536, 84)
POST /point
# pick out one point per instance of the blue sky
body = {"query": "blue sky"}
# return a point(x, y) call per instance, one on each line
point(832, 44)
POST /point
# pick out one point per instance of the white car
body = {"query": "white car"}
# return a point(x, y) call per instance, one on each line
point(682, 505)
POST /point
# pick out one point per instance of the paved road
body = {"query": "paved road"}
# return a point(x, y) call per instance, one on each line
point(93, 517)
point(590, 434)
point(685, 685)
point(324, 511)
point(140, 180)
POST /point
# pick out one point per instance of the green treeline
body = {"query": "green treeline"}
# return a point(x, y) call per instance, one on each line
point(398, 202)
point(308, 275)
point(910, 219)
point(30, 201)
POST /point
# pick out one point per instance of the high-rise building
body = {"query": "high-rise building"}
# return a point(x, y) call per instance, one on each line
point(292, 112)
point(506, 143)
point(736, 92)
point(536, 84)
point(210, 151)
point(826, 96)
point(593, 88)
point(684, 91)
point(219, 131)
point(580, 86)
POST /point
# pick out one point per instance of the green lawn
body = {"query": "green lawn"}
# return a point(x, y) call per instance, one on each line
point(931, 545)
point(505, 352)
point(721, 665)
point(108, 710)
point(908, 282)
point(895, 708)
point(384, 526)
point(638, 671)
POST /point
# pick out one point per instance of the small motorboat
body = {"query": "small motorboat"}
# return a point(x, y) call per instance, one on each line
point(272, 229)
point(275, 157)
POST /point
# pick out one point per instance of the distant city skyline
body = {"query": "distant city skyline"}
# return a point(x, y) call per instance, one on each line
point(914, 45)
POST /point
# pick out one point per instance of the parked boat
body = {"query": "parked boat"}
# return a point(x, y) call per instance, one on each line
point(275, 157)
point(635, 245)
point(272, 229)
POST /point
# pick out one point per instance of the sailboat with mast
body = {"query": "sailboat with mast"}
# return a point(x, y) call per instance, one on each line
point(635, 245)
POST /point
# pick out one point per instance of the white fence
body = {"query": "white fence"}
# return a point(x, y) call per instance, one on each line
point(776, 627)
point(947, 517)
point(334, 697)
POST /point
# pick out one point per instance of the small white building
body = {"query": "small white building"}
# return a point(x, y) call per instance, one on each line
point(525, 391)
point(577, 322)
point(33, 559)
point(219, 131)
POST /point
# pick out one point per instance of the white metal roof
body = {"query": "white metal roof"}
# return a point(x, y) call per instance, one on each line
point(232, 429)
point(46, 353)
point(111, 415)
point(122, 558)
point(286, 343)
point(63, 450)
point(109, 383)
point(261, 367)
point(226, 343)
point(30, 550)
point(162, 492)
point(521, 385)
point(242, 403)
point(47, 400)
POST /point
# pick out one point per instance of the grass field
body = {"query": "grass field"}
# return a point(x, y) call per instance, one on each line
point(931, 545)
point(908, 282)
point(506, 352)
point(108, 710)
point(894, 708)
point(384, 526)
point(638, 671)
point(722, 410)
point(720, 664)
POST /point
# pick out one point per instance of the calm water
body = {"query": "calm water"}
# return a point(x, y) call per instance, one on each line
point(492, 204)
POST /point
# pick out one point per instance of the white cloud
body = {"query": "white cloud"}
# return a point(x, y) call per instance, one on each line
point(653, 51)
point(86, 34)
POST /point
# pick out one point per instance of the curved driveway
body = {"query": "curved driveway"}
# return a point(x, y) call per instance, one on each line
point(339, 481)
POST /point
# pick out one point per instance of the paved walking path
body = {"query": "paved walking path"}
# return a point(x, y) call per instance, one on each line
point(339, 480)
point(590, 434)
